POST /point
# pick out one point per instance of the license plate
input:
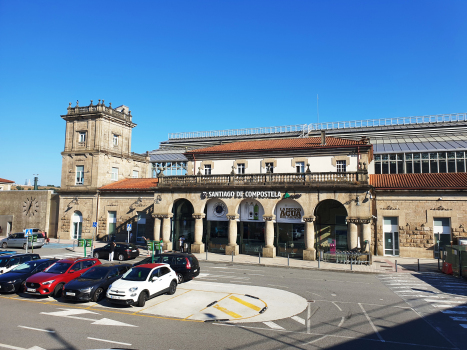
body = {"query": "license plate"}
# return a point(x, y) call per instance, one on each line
point(70, 293)
point(134, 250)
point(114, 297)
point(31, 289)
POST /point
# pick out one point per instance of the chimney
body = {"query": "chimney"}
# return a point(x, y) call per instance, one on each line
point(323, 137)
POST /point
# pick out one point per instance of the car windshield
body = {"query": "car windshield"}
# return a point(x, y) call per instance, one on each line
point(96, 273)
point(136, 274)
point(4, 261)
point(25, 267)
point(58, 268)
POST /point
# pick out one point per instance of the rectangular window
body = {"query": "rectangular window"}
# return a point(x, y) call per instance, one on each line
point(341, 166)
point(79, 174)
point(114, 174)
point(241, 168)
point(207, 169)
point(135, 174)
point(169, 168)
point(115, 140)
point(270, 167)
point(300, 167)
point(112, 223)
point(82, 136)
point(141, 227)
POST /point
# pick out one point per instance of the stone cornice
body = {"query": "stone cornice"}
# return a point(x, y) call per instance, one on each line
point(268, 217)
point(162, 216)
point(198, 216)
point(310, 218)
point(233, 216)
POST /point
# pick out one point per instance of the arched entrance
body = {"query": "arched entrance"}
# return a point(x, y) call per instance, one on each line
point(252, 227)
point(77, 225)
point(289, 230)
point(331, 225)
point(183, 223)
point(216, 226)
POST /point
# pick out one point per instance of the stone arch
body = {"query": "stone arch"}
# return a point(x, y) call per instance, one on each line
point(183, 223)
point(330, 224)
point(216, 224)
point(251, 226)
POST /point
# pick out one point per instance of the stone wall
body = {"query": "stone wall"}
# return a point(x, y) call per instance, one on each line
point(416, 211)
point(29, 209)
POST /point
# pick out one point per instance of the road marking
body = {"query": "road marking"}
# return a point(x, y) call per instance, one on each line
point(18, 348)
point(371, 323)
point(337, 306)
point(275, 285)
point(313, 341)
point(246, 303)
point(254, 274)
point(273, 325)
point(68, 313)
point(38, 329)
point(444, 301)
point(341, 322)
point(454, 312)
point(458, 319)
point(228, 312)
point(463, 325)
point(298, 319)
point(109, 341)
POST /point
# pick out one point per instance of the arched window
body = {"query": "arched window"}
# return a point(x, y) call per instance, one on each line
point(77, 225)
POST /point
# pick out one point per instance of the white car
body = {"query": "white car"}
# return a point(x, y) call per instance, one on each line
point(141, 283)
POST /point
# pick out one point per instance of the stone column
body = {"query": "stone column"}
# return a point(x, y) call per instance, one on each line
point(168, 245)
point(366, 233)
point(198, 245)
point(232, 246)
point(310, 252)
point(352, 232)
point(157, 227)
point(269, 251)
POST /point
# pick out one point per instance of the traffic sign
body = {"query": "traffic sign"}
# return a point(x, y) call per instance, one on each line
point(94, 224)
point(128, 227)
point(28, 232)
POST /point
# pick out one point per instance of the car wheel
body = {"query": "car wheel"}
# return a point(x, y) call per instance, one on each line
point(121, 257)
point(172, 288)
point(24, 245)
point(4, 245)
point(98, 295)
point(96, 255)
point(58, 290)
point(142, 299)
point(22, 287)
point(180, 278)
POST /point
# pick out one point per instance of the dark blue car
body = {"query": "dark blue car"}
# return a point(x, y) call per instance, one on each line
point(93, 284)
point(14, 280)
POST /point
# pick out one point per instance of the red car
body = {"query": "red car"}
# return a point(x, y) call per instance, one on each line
point(52, 280)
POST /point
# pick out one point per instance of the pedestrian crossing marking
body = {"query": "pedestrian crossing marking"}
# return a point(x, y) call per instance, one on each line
point(272, 325)
point(298, 319)
point(228, 312)
point(246, 303)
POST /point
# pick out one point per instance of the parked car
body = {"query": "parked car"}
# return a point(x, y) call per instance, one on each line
point(186, 266)
point(93, 284)
point(142, 283)
point(123, 251)
point(15, 279)
point(18, 240)
point(8, 262)
point(52, 280)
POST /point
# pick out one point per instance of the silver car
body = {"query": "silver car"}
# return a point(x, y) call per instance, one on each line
point(18, 240)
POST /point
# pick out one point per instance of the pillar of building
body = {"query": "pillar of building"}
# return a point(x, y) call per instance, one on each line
point(352, 233)
point(232, 247)
point(167, 244)
point(157, 227)
point(366, 223)
point(310, 252)
point(269, 251)
point(198, 245)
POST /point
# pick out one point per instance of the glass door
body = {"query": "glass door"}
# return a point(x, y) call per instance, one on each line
point(391, 236)
point(442, 234)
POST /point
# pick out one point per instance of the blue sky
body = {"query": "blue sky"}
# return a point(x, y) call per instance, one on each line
point(209, 65)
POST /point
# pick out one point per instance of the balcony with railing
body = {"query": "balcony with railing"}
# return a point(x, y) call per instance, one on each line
point(301, 179)
point(99, 108)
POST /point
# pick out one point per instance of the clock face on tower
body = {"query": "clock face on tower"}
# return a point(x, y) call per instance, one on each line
point(30, 207)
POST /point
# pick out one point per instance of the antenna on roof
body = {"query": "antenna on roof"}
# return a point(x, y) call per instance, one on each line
point(317, 105)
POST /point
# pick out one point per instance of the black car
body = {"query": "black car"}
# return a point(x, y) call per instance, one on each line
point(93, 284)
point(185, 265)
point(8, 262)
point(123, 251)
point(14, 280)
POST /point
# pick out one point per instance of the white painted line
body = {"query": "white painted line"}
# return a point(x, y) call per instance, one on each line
point(298, 319)
point(273, 325)
point(444, 301)
point(18, 348)
point(109, 341)
point(341, 322)
point(320, 338)
point(275, 285)
point(37, 329)
point(254, 274)
point(454, 312)
point(371, 323)
point(458, 319)
point(337, 306)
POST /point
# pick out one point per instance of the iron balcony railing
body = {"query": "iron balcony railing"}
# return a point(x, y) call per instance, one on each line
point(304, 129)
point(264, 179)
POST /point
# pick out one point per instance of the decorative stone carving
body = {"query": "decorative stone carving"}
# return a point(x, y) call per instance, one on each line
point(233, 216)
point(268, 217)
point(441, 208)
point(389, 208)
point(198, 216)
point(309, 218)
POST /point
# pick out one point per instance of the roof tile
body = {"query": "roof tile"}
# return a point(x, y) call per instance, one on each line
point(6, 181)
point(419, 181)
point(131, 185)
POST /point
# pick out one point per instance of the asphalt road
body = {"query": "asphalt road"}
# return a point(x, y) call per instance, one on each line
point(365, 311)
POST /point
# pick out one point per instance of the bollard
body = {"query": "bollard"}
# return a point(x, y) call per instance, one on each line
point(288, 259)
point(206, 254)
point(259, 257)
point(438, 262)
point(418, 262)
point(351, 268)
point(73, 245)
point(319, 259)
point(308, 317)
point(395, 264)
point(58, 239)
point(232, 255)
